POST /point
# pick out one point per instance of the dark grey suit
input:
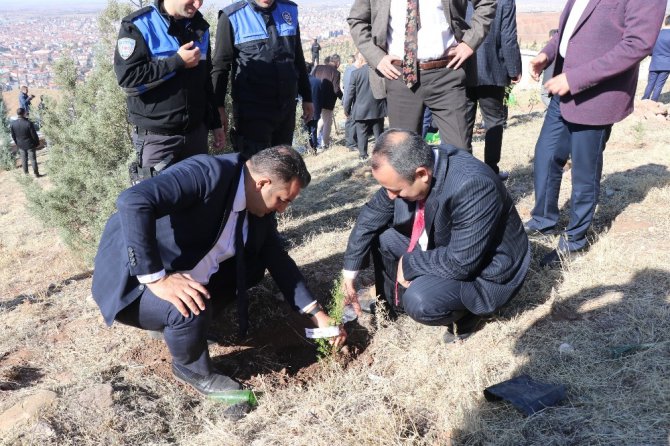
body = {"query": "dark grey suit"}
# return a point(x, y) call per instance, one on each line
point(498, 61)
point(477, 254)
point(364, 109)
point(442, 89)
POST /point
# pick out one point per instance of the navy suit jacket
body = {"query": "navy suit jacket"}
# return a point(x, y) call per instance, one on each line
point(660, 56)
point(171, 222)
point(499, 56)
point(474, 232)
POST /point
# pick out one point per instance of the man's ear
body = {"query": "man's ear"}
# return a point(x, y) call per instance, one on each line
point(262, 182)
point(422, 174)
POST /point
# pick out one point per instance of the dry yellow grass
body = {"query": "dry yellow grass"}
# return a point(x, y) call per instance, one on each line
point(404, 387)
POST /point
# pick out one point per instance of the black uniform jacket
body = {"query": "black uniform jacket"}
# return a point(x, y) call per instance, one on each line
point(163, 96)
point(261, 48)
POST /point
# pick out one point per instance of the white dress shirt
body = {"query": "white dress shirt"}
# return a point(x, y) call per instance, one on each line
point(575, 14)
point(434, 36)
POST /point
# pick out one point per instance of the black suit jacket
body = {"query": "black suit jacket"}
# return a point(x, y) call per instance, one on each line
point(474, 232)
point(24, 134)
point(358, 100)
point(171, 222)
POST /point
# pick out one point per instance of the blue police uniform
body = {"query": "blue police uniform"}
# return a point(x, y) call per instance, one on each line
point(260, 49)
point(171, 106)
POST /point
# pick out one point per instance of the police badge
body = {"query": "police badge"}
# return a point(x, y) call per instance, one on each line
point(287, 17)
point(126, 47)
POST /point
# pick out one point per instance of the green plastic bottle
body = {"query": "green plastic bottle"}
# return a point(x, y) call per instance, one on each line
point(235, 397)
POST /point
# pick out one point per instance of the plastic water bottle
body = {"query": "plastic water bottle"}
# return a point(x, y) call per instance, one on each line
point(235, 397)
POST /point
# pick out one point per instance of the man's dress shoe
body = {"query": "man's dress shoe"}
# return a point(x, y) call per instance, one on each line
point(206, 385)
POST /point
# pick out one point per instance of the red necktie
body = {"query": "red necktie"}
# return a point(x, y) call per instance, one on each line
point(417, 229)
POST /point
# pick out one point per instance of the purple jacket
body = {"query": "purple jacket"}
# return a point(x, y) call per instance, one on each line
point(603, 57)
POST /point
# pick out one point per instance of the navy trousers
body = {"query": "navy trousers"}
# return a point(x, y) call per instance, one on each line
point(559, 140)
point(186, 337)
point(655, 84)
point(429, 300)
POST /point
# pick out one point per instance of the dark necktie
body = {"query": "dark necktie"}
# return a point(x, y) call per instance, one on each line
point(242, 301)
point(410, 69)
point(417, 229)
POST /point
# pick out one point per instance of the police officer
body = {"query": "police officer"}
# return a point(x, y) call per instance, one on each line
point(258, 41)
point(162, 61)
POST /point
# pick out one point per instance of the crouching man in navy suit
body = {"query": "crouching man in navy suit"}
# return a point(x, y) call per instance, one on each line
point(446, 241)
point(187, 241)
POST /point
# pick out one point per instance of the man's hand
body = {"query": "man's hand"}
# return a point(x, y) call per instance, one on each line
point(516, 79)
point(307, 111)
point(219, 138)
point(460, 54)
point(181, 291)
point(387, 68)
point(350, 295)
point(191, 57)
point(322, 320)
point(558, 85)
point(537, 66)
point(401, 277)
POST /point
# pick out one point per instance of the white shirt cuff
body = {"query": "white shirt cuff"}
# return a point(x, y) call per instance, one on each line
point(349, 274)
point(303, 310)
point(148, 278)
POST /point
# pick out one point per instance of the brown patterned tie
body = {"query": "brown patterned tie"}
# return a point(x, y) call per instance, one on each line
point(410, 69)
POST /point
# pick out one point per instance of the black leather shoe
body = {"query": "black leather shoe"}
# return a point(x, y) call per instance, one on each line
point(463, 328)
point(555, 258)
point(206, 385)
point(530, 230)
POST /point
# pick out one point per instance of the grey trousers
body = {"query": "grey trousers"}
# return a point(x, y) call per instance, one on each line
point(443, 91)
point(25, 154)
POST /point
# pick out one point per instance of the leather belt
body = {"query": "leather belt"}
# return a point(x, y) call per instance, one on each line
point(429, 64)
point(141, 131)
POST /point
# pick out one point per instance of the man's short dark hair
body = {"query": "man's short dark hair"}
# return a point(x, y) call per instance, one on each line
point(326, 60)
point(667, 20)
point(282, 163)
point(405, 151)
point(20, 111)
point(335, 59)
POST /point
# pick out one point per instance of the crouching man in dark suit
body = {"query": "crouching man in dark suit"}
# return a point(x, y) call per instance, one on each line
point(184, 243)
point(446, 241)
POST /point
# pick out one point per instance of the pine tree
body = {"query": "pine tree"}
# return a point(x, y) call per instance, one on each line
point(6, 157)
point(89, 145)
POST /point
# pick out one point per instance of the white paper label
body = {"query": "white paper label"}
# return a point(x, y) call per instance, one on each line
point(316, 333)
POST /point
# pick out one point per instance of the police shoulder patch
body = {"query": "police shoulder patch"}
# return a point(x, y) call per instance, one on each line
point(287, 17)
point(126, 46)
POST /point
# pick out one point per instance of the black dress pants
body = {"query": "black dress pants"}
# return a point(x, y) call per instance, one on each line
point(491, 100)
point(429, 300)
point(255, 133)
point(363, 130)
